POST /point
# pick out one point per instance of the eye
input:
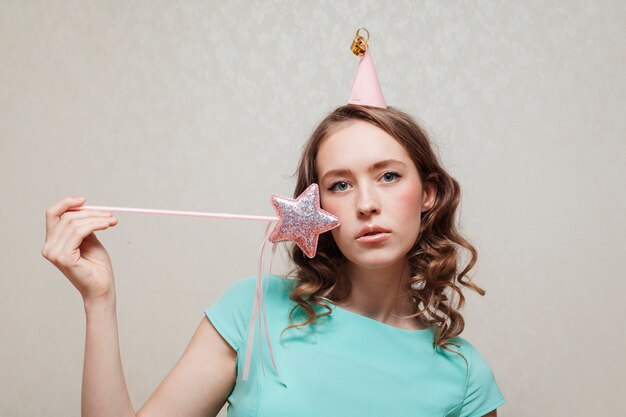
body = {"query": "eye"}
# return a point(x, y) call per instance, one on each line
point(332, 187)
point(393, 174)
point(388, 176)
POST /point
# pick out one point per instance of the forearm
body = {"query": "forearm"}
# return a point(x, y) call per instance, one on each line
point(104, 392)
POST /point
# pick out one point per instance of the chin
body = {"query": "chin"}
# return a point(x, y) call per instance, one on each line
point(371, 260)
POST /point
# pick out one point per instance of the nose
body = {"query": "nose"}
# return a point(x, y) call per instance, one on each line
point(368, 202)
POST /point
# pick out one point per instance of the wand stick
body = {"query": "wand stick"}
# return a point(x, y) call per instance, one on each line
point(176, 212)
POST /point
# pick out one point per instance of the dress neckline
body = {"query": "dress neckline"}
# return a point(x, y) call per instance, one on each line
point(368, 321)
point(374, 322)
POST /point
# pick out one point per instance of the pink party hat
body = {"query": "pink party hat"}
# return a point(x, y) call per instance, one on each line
point(365, 88)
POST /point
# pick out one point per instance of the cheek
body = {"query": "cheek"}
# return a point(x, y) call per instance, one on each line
point(409, 214)
point(410, 203)
point(408, 210)
point(331, 205)
point(334, 207)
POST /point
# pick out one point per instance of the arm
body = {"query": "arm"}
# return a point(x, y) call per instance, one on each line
point(493, 413)
point(198, 384)
point(104, 390)
point(201, 380)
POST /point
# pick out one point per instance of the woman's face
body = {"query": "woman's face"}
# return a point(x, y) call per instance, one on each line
point(369, 191)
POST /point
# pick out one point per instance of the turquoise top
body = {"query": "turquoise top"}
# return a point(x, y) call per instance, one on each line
point(348, 365)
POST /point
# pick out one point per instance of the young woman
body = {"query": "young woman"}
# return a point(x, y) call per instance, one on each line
point(368, 327)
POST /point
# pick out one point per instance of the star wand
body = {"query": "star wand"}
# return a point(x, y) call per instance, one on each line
point(301, 220)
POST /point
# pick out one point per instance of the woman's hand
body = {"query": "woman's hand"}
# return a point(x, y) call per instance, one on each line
point(74, 249)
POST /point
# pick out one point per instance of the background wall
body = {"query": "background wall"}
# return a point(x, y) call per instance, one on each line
point(204, 106)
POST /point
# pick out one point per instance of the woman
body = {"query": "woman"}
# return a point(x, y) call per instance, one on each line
point(367, 327)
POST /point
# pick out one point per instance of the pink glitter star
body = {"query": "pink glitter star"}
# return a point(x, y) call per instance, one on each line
point(302, 220)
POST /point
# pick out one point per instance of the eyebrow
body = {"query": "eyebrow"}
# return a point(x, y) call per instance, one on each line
point(377, 165)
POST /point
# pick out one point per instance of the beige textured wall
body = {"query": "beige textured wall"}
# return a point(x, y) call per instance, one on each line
point(204, 106)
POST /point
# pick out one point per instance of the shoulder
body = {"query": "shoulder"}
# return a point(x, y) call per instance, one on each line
point(238, 292)
point(274, 282)
point(274, 279)
point(465, 345)
point(243, 290)
point(478, 368)
point(230, 313)
point(482, 393)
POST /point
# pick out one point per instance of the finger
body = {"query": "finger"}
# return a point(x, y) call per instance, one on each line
point(79, 214)
point(54, 212)
point(69, 216)
point(73, 236)
point(83, 228)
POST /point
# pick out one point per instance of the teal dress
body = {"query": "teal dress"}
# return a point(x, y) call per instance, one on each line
point(347, 365)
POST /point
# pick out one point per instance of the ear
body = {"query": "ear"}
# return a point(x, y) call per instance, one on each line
point(428, 196)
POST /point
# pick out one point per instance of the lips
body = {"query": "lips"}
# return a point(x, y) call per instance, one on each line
point(371, 229)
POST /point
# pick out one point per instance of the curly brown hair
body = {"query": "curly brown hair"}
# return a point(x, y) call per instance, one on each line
point(434, 256)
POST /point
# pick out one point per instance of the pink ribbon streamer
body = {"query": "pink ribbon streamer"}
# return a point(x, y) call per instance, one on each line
point(259, 307)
